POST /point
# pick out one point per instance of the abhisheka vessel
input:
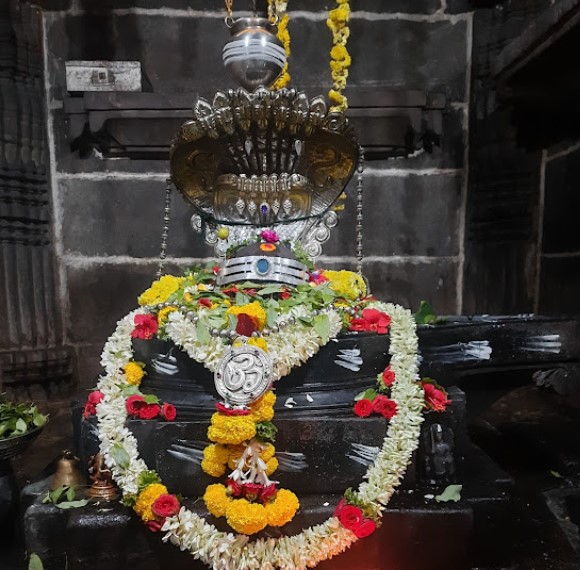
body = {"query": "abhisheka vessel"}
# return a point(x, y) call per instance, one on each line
point(258, 411)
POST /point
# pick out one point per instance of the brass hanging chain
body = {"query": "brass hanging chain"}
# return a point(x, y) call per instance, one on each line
point(165, 231)
point(229, 11)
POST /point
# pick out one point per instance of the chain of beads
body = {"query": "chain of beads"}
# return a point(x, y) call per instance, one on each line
point(165, 232)
point(359, 210)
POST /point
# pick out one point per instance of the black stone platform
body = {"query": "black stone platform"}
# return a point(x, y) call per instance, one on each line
point(417, 533)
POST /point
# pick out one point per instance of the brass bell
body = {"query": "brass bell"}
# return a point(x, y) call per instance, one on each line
point(67, 472)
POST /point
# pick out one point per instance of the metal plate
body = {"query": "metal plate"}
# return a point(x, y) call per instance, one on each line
point(243, 375)
point(103, 75)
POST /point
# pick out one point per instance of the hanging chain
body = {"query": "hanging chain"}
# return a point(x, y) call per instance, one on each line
point(229, 10)
point(165, 232)
point(359, 210)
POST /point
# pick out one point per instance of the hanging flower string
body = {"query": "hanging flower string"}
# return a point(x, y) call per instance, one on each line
point(340, 59)
point(278, 9)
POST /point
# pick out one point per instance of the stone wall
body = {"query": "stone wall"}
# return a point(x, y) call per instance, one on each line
point(108, 212)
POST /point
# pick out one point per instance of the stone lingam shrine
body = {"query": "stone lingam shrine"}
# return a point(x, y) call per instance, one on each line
point(201, 370)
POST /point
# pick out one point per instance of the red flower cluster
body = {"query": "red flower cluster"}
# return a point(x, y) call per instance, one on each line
point(164, 506)
point(435, 397)
point(204, 302)
point(139, 408)
point(352, 518)
point(372, 320)
point(93, 399)
point(223, 409)
point(252, 491)
point(146, 327)
point(379, 405)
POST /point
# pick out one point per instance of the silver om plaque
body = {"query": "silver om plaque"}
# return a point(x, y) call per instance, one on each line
point(243, 375)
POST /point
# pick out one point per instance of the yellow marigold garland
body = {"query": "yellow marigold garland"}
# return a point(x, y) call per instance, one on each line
point(284, 36)
point(146, 498)
point(216, 499)
point(245, 517)
point(160, 290)
point(347, 284)
point(134, 373)
point(231, 429)
point(282, 509)
point(340, 59)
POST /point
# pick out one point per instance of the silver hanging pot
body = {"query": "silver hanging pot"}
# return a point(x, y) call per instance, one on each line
point(254, 56)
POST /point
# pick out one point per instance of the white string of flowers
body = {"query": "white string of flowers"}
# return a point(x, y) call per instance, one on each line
point(228, 551)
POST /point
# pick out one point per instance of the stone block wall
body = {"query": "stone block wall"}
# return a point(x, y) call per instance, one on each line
point(108, 212)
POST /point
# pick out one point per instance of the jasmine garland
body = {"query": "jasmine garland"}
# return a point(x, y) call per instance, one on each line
point(228, 551)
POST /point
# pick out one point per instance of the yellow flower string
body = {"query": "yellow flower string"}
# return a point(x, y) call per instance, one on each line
point(278, 8)
point(340, 59)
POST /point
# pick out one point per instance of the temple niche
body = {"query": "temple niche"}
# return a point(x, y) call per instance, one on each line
point(289, 284)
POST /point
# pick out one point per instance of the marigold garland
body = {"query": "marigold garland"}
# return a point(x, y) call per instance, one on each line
point(340, 59)
point(134, 373)
point(277, 9)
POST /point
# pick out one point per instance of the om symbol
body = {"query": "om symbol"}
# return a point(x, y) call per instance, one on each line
point(243, 375)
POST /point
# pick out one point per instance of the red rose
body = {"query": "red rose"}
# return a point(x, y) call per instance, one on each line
point(339, 507)
point(146, 327)
point(363, 408)
point(134, 404)
point(252, 490)
point(435, 398)
point(268, 493)
point(234, 487)
point(215, 269)
point(350, 517)
point(95, 397)
point(232, 290)
point(155, 526)
point(149, 411)
point(377, 320)
point(205, 302)
point(223, 409)
point(382, 405)
point(366, 528)
point(89, 410)
point(168, 412)
point(285, 295)
point(245, 325)
point(165, 505)
point(388, 376)
point(251, 292)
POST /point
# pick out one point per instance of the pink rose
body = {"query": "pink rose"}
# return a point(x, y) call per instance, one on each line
point(269, 236)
